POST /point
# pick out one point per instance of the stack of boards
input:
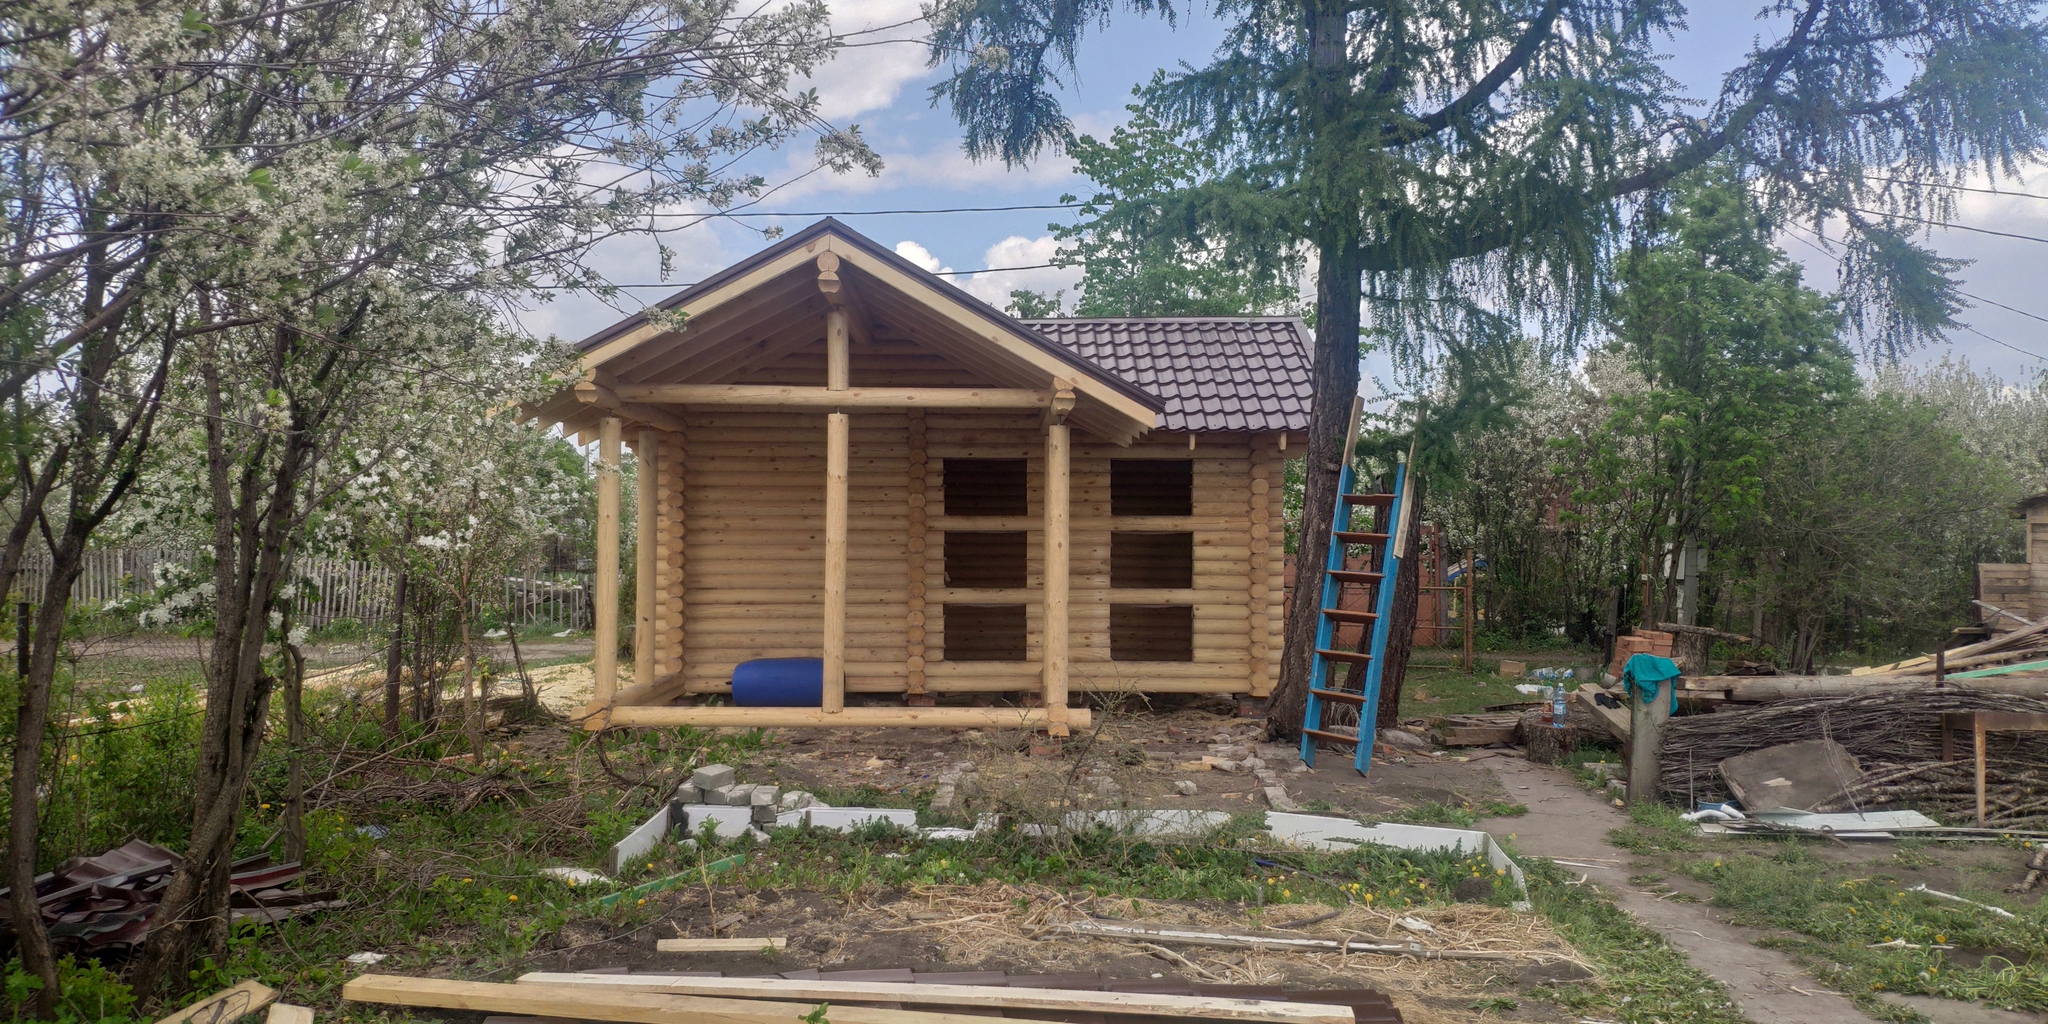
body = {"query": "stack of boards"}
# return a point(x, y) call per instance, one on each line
point(872, 997)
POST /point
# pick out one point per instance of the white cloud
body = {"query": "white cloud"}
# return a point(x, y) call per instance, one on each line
point(629, 260)
point(942, 168)
point(871, 73)
point(921, 256)
point(1018, 251)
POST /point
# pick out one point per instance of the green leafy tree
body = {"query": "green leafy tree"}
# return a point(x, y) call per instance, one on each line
point(1737, 358)
point(1133, 262)
point(1455, 167)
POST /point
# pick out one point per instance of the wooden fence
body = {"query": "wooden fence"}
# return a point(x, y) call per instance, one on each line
point(331, 590)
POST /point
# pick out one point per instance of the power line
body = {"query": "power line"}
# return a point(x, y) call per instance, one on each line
point(1946, 224)
point(1973, 330)
point(934, 273)
point(891, 213)
point(1943, 185)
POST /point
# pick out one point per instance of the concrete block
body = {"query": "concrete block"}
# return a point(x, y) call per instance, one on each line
point(712, 776)
point(640, 841)
point(793, 799)
point(763, 814)
point(1186, 788)
point(846, 819)
point(726, 821)
point(1280, 801)
point(763, 796)
point(740, 794)
point(689, 793)
point(791, 819)
point(944, 796)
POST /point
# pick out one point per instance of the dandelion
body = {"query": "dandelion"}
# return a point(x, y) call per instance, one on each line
point(466, 881)
point(513, 897)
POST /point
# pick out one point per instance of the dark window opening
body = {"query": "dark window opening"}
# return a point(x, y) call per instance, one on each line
point(1151, 632)
point(984, 632)
point(1164, 560)
point(984, 487)
point(984, 560)
point(1151, 487)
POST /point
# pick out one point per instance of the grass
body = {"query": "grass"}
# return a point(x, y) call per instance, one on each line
point(1840, 927)
point(1441, 688)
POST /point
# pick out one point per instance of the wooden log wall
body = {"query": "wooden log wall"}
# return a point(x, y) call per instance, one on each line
point(743, 509)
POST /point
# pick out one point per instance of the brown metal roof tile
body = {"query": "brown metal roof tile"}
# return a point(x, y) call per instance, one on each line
point(1212, 373)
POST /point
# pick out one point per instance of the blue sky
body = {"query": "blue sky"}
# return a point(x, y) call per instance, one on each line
point(884, 88)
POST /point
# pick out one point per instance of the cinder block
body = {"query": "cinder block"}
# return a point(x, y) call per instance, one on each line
point(740, 794)
point(689, 793)
point(712, 776)
point(726, 821)
point(762, 796)
point(846, 819)
point(763, 814)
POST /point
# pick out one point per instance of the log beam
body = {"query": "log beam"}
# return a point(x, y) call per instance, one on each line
point(605, 664)
point(796, 396)
point(647, 514)
point(709, 717)
point(1058, 486)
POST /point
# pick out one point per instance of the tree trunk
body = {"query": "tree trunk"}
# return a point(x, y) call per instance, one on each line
point(295, 748)
point(31, 722)
point(1335, 382)
point(1401, 621)
point(394, 657)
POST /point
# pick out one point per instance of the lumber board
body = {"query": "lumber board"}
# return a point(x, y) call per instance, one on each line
point(781, 395)
point(288, 1013)
point(605, 587)
point(585, 1002)
point(851, 717)
point(226, 1005)
point(984, 996)
point(709, 945)
point(1614, 720)
point(1769, 688)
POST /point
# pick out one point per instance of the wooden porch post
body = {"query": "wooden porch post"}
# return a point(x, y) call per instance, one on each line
point(605, 664)
point(647, 504)
point(838, 427)
point(1053, 657)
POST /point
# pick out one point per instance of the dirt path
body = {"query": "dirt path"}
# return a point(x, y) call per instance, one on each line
point(1568, 824)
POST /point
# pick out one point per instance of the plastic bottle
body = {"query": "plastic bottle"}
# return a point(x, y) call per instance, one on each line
point(1557, 706)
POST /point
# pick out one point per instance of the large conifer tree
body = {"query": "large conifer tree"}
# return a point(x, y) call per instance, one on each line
point(1467, 166)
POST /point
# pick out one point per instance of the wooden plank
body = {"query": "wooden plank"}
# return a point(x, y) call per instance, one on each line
point(226, 1005)
point(836, 426)
point(584, 1002)
point(728, 945)
point(799, 397)
point(1064, 1001)
point(288, 1013)
point(852, 717)
point(605, 589)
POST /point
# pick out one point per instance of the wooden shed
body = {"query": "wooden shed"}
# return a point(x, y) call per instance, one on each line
point(843, 456)
point(2018, 590)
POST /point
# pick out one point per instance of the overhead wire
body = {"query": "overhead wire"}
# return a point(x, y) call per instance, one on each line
point(1831, 257)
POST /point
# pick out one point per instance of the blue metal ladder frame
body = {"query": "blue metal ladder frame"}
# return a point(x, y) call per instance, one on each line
point(1382, 625)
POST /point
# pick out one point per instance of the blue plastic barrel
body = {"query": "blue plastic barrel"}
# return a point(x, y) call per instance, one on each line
point(779, 683)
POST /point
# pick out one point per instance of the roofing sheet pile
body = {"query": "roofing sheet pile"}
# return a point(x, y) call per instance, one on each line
point(108, 902)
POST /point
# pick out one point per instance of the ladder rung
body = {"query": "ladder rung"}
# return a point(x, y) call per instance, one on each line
point(1382, 500)
point(1340, 737)
point(1347, 657)
point(1345, 615)
point(1355, 576)
point(1355, 537)
point(1341, 696)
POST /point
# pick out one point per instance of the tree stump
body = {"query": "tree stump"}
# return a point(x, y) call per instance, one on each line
point(1546, 743)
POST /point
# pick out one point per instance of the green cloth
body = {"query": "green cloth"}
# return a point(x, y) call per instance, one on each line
point(1645, 672)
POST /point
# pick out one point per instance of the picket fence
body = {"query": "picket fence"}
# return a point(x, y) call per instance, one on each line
point(333, 590)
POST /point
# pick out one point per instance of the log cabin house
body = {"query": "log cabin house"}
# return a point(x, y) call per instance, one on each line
point(2016, 593)
point(841, 455)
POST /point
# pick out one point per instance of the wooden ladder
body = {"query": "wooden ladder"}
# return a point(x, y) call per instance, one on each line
point(1325, 687)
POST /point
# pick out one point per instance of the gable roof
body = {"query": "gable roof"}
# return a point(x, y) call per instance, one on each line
point(1248, 373)
point(807, 238)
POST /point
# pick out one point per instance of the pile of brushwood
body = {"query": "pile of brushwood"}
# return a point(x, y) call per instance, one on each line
point(1896, 738)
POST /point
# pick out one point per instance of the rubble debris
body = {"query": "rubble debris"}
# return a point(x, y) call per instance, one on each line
point(99, 903)
point(1473, 730)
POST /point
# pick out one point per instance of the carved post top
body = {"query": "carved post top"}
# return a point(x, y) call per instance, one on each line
point(828, 275)
point(1062, 401)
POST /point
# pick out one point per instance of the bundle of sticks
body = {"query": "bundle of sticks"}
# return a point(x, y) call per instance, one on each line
point(1885, 730)
point(2027, 643)
point(1951, 786)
